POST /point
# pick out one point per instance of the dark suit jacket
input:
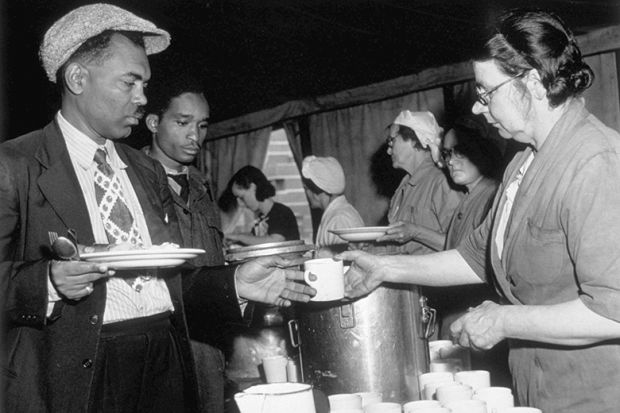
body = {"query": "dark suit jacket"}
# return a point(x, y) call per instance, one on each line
point(47, 362)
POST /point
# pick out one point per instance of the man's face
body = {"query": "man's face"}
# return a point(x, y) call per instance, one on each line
point(181, 129)
point(113, 90)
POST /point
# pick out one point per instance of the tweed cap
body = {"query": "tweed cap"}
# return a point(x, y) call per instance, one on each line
point(326, 173)
point(79, 25)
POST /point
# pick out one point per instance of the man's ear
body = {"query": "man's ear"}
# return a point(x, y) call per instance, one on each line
point(534, 85)
point(74, 76)
point(152, 122)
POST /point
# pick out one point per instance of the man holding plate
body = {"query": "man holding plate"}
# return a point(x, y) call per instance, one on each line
point(83, 336)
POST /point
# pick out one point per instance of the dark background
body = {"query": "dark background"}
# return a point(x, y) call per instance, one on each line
point(257, 54)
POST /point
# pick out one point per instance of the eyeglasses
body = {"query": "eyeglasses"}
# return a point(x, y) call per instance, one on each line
point(448, 154)
point(484, 98)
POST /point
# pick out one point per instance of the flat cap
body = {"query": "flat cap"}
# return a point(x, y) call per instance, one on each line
point(326, 173)
point(79, 25)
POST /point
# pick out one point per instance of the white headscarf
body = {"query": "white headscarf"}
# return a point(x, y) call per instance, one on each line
point(325, 172)
point(425, 127)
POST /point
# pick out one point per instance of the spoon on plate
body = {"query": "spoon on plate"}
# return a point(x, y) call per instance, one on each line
point(63, 247)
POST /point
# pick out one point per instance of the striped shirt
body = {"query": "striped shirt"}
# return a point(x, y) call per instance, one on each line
point(122, 302)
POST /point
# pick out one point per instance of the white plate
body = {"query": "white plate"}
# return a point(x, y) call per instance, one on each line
point(153, 258)
point(360, 233)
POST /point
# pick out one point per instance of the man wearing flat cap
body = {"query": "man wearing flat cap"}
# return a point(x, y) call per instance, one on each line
point(324, 181)
point(88, 336)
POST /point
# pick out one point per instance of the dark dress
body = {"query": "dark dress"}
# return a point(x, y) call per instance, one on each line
point(279, 220)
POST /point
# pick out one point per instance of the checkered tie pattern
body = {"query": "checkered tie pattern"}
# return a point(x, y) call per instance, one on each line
point(117, 220)
point(120, 227)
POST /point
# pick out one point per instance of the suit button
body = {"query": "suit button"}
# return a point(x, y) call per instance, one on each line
point(94, 319)
point(87, 363)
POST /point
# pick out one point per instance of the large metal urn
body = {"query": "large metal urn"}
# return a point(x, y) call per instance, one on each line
point(377, 343)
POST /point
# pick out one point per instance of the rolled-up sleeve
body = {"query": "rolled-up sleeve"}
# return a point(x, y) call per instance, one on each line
point(474, 249)
point(591, 216)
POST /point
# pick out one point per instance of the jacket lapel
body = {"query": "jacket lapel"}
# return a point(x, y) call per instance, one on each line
point(59, 184)
point(162, 222)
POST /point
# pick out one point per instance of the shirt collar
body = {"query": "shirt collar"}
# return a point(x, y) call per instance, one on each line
point(427, 166)
point(82, 148)
point(169, 171)
point(336, 202)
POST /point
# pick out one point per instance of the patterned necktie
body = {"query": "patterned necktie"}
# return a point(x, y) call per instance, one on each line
point(120, 227)
point(183, 182)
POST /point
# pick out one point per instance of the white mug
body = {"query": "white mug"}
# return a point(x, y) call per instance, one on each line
point(496, 398)
point(420, 405)
point(275, 369)
point(449, 393)
point(383, 407)
point(370, 397)
point(345, 401)
point(468, 406)
point(477, 379)
point(328, 279)
point(430, 389)
point(426, 378)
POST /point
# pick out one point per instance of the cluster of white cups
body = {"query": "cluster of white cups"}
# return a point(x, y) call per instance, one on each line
point(279, 369)
point(452, 397)
point(364, 402)
point(467, 391)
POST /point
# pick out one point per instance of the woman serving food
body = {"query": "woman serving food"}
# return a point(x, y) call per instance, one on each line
point(551, 233)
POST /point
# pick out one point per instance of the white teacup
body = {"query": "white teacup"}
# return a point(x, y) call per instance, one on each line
point(430, 389)
point(418, 406)
point(468, 406)
point(370, 397)
point(439, 409)
point(383, 407)
point(453, 392)
point(496, 398)
point(435, 347)
point(477, 379)
point(434, 377)
point(451, 365)
point(275, 369)
point(326, 276)
point(344, 401)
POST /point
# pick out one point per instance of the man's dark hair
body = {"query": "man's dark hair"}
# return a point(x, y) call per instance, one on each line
point(165, 87)
point(95, 50)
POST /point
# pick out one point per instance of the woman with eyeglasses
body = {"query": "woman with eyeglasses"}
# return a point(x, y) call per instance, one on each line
point(474, 163)
point(424, 202)
point(552, 235)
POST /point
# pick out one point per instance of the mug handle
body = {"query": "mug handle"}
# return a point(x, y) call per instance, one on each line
point(307, 278)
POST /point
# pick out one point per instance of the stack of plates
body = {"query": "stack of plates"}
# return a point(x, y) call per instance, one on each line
point(143, 258)
point(264, 250)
